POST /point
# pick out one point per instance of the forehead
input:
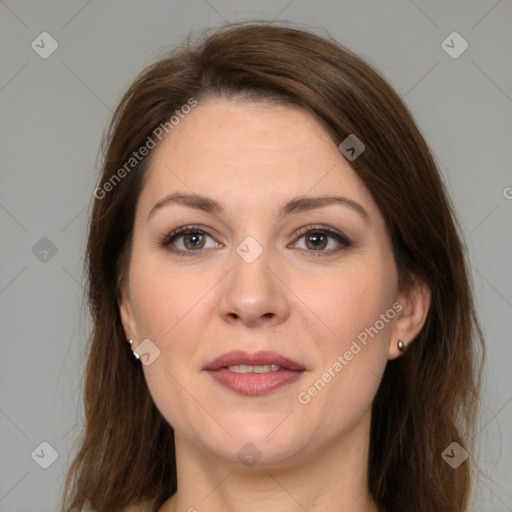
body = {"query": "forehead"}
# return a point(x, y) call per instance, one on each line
point(243, 152)
point(241, 130)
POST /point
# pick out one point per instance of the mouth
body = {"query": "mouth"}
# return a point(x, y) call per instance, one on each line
point(254, 374)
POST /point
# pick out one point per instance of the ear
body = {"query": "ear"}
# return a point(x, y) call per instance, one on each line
point(415, 302)
point(126, 312)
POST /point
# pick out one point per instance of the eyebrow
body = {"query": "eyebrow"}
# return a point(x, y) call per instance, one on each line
point(294, 206)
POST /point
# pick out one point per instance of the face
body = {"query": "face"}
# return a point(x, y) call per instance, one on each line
point(274, 312)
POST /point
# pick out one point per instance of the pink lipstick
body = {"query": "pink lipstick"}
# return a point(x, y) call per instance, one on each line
point(254, 374)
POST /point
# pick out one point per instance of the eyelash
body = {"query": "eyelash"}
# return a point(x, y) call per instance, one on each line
point(345, 242)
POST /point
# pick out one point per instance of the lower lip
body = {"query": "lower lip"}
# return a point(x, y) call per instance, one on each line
point(254, 384)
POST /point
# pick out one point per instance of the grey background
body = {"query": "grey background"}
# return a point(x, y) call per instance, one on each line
point(53, 112)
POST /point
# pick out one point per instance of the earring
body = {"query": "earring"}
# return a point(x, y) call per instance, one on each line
point(134, 353)
point(402, 346)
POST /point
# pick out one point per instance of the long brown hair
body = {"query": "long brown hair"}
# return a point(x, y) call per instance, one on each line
point(427, 399)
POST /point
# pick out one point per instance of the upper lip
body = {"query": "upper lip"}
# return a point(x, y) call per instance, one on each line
point(237, 357)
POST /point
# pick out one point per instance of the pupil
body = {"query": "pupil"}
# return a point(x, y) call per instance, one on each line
point(317, 240)
point(194, 240)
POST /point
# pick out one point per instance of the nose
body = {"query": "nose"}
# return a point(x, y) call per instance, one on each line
point(253, 293)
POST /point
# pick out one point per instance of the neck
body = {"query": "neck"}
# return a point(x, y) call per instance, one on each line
point(334, 478)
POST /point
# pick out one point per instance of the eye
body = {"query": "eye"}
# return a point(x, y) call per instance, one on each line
point(318, 240)
point(321, 239)
point(186, 240)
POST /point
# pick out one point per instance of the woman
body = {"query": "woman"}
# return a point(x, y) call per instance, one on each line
point(280, 297)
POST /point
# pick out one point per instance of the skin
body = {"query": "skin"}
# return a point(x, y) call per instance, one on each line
point(252, 158)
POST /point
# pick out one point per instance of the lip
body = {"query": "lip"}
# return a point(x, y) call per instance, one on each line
point(257, 358)
point(254, 384)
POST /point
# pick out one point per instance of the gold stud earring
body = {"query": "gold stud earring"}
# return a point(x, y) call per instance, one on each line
point(402, 346)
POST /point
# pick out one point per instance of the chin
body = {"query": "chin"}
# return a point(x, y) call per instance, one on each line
point(262, 444)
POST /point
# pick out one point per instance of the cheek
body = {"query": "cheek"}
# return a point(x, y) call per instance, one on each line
point(350, 301)
point(163, 298)
point(166, 306)
point(355, 310)
point(170, 309)
point(359, 309)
